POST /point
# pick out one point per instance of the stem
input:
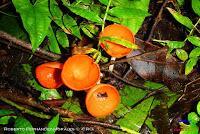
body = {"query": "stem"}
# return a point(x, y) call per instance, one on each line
point(106, 14)
point(25, 110)
point(191, 32)
point(9, 39)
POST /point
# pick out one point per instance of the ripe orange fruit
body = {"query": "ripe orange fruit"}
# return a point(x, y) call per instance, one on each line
point(102, 100)
point(48, 74)
point(80, 72)
point(121, 32)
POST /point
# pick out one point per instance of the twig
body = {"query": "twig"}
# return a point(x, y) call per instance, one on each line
point(32, 102)
point(126, 81)
point(4, 5)
point(125, 59)
point(105, 16)
point(62, 112)
point(19, 43)
point(194, 28)
point(157, 91)
point(185, 88)
point(157, 20)
point(25, 110)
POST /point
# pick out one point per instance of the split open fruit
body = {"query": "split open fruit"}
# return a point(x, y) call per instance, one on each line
point(121, 32)
point(49, 74)
point(101, 100)
point(80, 72)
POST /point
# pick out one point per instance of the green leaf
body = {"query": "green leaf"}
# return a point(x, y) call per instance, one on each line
point(5, 119)
point(122, 12)
point(11, 25)
point(72, 105)
point(105, 2)
point(35, 19)
point(128, 99)
point(4, 112)
point(189, 129)
point(133, 23)
point(87, 14)
point(171, 44)
point(136, 117)
point(52, 125)
point(195, 53)
point(153, 85)
point(71, 25)
point(24, 126)
point(180, 18)
point(190, 65)
point(193, 118)
point(90, 30)
point(198, 108)
point(196, 6)
point(180, 2)
point(53, 42)
point(56, 13)
point(117, 40)
point(182, 54)
point(130, 95)
point(194, 40)
point(62, 38)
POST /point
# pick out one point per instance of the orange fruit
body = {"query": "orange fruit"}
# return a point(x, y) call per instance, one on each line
point(80, 72)
point(49, 74)
point(121, 32)
point(102, 100)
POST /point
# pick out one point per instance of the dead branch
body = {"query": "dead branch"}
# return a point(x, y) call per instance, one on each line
point(157, 20)
point(9, 39)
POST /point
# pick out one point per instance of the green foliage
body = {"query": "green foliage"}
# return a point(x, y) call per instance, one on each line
point(53, 46)
point(52, 125)
point(182, 54)
point(118, 40)
point(24, 126)
point(11, 25)
point(136, 117)
point(193, 118)
point(153, 85)
point(171, 44)
point(35, 19)
point(5, 119)
point(198, 108)
point(195, 53)
point(125, 12)
point(62, 38)
point(190, 65)
point(180, 2)
point(196, 6)
point(85, 13)
point(72, 105)
point(4, 112)
point(194, 40)
point(71, 25)
point(180, 18)
point(90, 30)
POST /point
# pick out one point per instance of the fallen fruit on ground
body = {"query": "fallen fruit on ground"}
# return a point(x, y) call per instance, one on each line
point(49, 74)
point(102, 100)
point(121, 32)
point(80, 72)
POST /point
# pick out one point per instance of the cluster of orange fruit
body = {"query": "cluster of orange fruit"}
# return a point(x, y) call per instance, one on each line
point(80, 72)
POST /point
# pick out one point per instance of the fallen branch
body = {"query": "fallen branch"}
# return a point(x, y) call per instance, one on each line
point(157, 20)
point(9, 39)
point(25, 110)
point(60, 111)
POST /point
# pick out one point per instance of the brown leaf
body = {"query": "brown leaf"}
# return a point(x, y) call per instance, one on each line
point(154, 66)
